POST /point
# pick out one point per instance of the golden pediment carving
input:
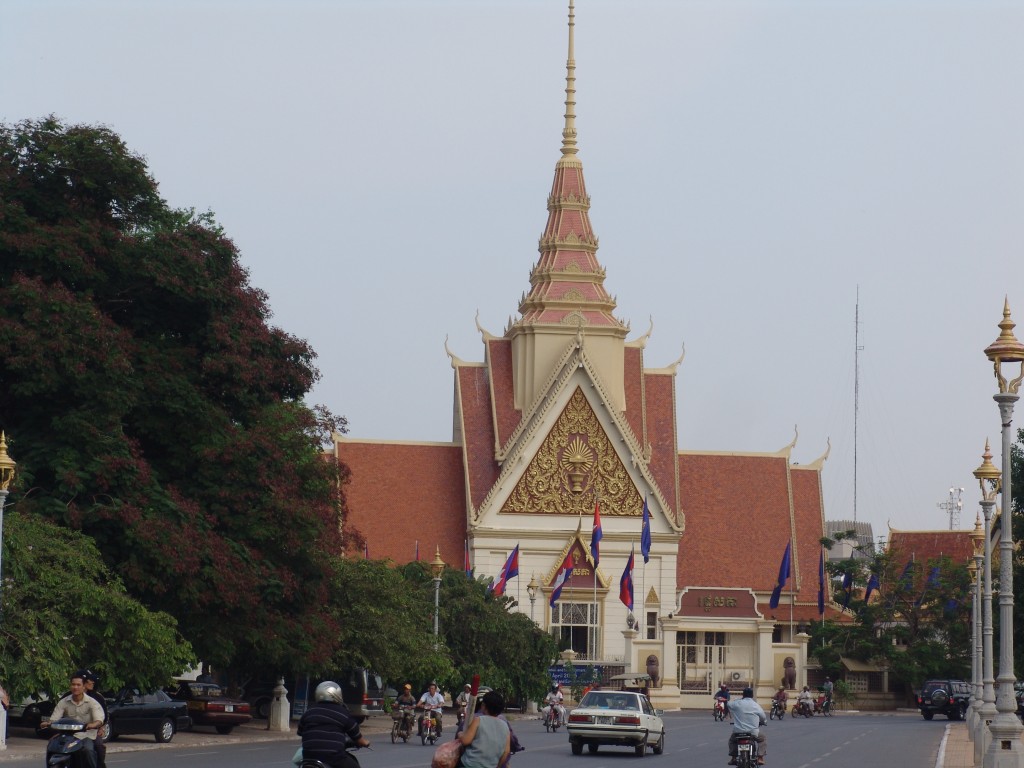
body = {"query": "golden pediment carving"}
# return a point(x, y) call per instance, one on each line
point(573, 294)
point(575, 465)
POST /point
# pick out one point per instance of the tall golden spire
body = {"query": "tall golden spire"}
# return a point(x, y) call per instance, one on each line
point(567, 299)
point(569, 132)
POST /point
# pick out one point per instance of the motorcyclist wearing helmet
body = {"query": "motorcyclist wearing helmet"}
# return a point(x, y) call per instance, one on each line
point(554, 701)
point(328, 727)
point(432, 701)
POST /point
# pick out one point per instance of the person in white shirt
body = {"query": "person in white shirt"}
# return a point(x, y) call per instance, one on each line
point(554, 700)
point(748, 717)
point(432, 701)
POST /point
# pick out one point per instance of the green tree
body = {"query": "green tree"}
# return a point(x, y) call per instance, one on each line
point(151, 405)
point(63, 610)
point(482, 636)
point(917, 623)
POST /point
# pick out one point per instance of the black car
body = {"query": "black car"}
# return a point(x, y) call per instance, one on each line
point(945, 697)
point(132, 710)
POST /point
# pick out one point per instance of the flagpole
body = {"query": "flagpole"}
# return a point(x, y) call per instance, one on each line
point(792, 591)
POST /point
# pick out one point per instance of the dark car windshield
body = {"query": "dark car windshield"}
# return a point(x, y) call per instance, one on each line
point(202, 689)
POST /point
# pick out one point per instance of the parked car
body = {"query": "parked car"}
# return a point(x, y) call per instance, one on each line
point(30, 711)
point(945, 697)
point(133, 711)
point(362, 689)
point(619, 718)
point(209, 705)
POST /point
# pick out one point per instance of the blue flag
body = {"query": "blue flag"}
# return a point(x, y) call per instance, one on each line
point(848, 588)
point(645, 534)
point(595, 537)
point(783, 576)
point(872, 586)
point(509, 571)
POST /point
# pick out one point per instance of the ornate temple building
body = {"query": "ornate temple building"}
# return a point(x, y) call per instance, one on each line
point(563, 415)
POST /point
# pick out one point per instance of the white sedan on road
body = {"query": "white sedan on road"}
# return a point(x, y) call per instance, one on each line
point(619, 718)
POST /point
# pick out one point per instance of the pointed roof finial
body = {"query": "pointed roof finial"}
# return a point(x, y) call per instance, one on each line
point(569, 132)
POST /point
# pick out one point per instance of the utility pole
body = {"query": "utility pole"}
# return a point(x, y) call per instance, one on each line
point(953, 505)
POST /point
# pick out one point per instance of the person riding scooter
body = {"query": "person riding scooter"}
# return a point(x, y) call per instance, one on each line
point(748, 717)
point(328, 729)
point(805, 702)
point(553, 704)
point(432, 701)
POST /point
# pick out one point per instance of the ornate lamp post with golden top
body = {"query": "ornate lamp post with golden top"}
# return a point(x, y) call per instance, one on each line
point(7, 465)
point(1006, 750)
point(974, 569)
point(436, 569)
point(532, 589)
point(988, 478)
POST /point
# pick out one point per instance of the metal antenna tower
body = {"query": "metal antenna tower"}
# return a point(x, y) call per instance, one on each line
point(953, 505)
point(856, 393)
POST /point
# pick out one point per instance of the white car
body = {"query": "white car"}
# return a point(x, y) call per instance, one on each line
point(619, 718)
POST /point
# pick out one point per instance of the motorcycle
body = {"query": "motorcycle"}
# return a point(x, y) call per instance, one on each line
point(778, 710)
point(746, 750)
point(718, 712)
point(64, 747)
point(401, 728)
point(429, 731)
point(803, 708)
point(823, 705)
point(552, 719)
point(309, 762)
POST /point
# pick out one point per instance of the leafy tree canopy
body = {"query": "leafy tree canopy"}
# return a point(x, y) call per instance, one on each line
point(917, 622)
point(151, 405)
point(64, 610)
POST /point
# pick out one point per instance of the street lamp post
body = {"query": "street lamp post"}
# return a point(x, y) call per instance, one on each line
point(988, 478)
point(436, 569)
point(1006, 750)
point(532, 589)
point(7, 465)
point(974, 569)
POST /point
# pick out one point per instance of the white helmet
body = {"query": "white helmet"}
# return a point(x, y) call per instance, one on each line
point(329, 690)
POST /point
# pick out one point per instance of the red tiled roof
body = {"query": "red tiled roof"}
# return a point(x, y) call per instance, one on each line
point(477, 431)
point(809, 516)
point(633, 365)
point(499, 367)
point(738, 520)
point(923, 546)
point(660, 399)
point(395, 484)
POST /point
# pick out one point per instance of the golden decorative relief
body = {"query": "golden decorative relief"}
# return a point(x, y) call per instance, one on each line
point(572, 295)
point(576, 465)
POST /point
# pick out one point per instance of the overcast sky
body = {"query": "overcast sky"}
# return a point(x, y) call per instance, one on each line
point(383, 168)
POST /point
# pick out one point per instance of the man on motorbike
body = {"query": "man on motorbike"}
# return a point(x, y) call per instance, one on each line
point(79, 706)
point(328, 728)
point(828, 687)
point(553, 703)
point(462, 702)
point(91, 679)
point(722, 695)
point(432, 701)
point(405, 701)
point(748, 717)
point(781, 696)
point(805, 702)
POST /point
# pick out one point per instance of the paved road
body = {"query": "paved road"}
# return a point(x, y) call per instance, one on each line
point(693, 740)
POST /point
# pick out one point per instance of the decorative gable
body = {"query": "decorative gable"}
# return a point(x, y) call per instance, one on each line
point(576, 466)
point(582, 576)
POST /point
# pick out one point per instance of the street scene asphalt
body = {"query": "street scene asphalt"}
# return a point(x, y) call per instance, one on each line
point(956, 750)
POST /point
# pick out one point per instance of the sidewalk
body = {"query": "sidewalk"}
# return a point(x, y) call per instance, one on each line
point(957, 749)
